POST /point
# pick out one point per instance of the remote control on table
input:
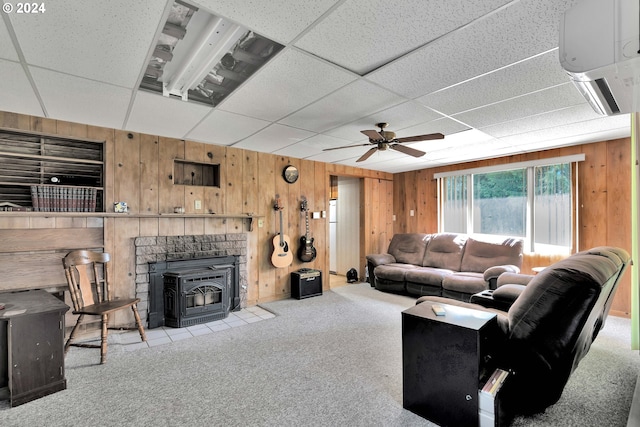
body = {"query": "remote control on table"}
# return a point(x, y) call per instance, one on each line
point(438, 310)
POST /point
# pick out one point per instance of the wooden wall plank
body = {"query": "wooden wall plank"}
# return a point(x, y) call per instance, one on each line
point(194, 151)
point(170, 195)
point(127, 169)
point(45, 239)
point(32, 271)
point(149, 185)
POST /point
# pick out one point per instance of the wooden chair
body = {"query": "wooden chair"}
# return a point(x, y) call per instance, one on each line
point(89, 287)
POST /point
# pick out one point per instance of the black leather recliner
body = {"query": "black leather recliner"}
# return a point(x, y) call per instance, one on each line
point(551, 325)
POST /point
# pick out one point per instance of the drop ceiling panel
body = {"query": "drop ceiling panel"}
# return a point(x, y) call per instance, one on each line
point(313, 146)
point(445, 126)
point(80, 100)
point(369, 40)
point(399, 117)
point(578, 113)
point(274, 138)
point(551, 99)
point(527, 76)
point(349, 103)
point(483, 46)
point(158, 115)
point(224, 128)
point(280, 20)
point(296, 78)
point(101, 40)
point(7, 51)
point(566, 134)
point(17, 92)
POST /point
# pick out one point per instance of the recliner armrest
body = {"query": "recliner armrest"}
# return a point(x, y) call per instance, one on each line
point(380, 259)
point(492, 274)
point(514, 279)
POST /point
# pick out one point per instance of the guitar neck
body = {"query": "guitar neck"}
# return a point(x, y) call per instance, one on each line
point(281, 230)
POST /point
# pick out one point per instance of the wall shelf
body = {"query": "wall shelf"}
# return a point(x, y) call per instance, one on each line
point(31, 214)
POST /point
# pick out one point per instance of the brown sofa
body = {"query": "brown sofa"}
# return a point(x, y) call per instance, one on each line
point(550, 325)
point(443, 264)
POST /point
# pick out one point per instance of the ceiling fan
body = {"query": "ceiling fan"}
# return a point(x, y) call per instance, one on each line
point(383, 140)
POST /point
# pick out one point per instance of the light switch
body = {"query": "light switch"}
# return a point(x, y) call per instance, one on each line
point(411, 212)
point(198, 204)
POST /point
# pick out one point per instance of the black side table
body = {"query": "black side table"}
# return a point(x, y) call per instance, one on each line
point(445, 361)
point(31, 345)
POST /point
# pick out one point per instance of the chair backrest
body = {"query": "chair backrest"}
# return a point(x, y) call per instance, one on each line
point(556, 318)
point(87, 277)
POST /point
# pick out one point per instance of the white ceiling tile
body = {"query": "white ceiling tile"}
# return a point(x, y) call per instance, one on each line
point(280, 20)
point(551, 99)
point(368, 40)
point(313, 146)
point(224, 128)
point(286, 84)
point(355, 100)
point(483, 46)
point(399, 117)
point(572, 133)
point(578, 113)
point(158, 115)
point(101, 40)
point(7, 51)
point(274, 138)
point(445, 126)
point(17, 94)
point(81, 100)
point(530, 75)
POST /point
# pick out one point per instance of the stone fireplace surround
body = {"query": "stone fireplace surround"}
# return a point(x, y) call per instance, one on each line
point(170, 248)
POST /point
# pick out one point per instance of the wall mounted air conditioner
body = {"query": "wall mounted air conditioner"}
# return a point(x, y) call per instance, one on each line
point(599, 43)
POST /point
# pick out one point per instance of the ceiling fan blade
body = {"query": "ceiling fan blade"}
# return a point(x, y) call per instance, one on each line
point(373, 135)
point(347, 146)
point(420, 137)
point(366, 155)
point(408, 150)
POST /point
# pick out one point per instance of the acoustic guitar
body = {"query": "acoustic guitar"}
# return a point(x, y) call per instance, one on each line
point(282, 256)
point(306, 252)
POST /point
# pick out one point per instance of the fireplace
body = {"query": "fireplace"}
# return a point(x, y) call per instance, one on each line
point(195, 296)
point(191, 291)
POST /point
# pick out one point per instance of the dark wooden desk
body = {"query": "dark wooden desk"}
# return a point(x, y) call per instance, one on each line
point(444, 361)
point(31, 345)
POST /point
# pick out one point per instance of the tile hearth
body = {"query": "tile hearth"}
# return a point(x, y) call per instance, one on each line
point(130, 340)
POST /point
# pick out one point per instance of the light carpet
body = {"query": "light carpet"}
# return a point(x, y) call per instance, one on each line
point(330, 360)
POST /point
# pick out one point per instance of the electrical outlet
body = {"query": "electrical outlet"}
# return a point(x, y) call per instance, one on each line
point(412, 212)
point(260, 223)
point(198, 204)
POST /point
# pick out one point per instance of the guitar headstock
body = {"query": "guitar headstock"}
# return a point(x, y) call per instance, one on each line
point(303, 204)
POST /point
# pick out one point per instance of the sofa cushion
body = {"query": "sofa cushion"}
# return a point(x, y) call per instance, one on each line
point(427, 275)
point(466, 283)
point(479, 256)
point(408, 248)
point(393, 271)
point(445, 251)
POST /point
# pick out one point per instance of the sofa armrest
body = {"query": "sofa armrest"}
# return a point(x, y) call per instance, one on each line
point(380, 259)
point(491, 274)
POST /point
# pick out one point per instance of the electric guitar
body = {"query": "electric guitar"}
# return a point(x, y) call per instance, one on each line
point(282, 256)
point(306, 252)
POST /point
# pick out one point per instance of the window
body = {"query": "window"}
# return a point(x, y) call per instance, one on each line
point(532, 200)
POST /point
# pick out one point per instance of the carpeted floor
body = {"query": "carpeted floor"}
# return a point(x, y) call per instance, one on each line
point(330, 360)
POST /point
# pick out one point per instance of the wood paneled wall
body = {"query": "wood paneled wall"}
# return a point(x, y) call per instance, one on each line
point(137, 170)
point(604, 198)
